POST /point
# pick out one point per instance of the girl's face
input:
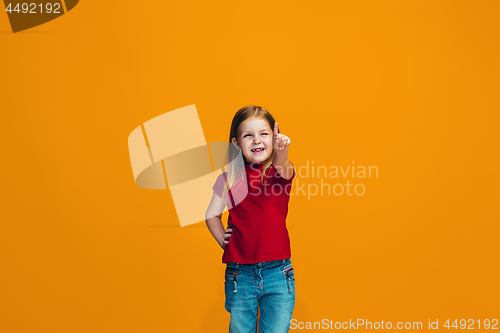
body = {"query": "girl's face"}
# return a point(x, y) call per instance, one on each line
point(255, 139)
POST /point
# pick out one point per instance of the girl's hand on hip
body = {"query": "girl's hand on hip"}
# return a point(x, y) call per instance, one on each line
point(226, 237)
point(281, 141)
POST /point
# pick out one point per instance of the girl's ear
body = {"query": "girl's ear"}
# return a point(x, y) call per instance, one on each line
point(235, 143)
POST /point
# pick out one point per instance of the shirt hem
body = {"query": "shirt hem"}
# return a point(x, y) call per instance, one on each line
point(225, 260)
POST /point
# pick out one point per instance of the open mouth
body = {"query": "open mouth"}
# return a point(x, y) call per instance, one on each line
point(257, 150)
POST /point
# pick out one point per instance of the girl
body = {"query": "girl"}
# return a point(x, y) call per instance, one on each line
point(259, 271)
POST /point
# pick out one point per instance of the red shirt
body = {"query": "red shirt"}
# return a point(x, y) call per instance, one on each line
point(258, 219)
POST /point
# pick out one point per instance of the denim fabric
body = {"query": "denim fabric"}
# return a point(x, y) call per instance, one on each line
point(270, 285)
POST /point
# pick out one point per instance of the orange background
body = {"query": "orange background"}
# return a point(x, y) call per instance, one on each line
point(411, 87)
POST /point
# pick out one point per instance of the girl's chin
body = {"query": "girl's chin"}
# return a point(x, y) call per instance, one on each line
point(258, 159)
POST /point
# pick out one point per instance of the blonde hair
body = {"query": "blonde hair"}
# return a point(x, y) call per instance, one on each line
point(235, 170)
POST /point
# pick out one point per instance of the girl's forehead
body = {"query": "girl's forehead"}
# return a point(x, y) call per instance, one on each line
point(254, 124)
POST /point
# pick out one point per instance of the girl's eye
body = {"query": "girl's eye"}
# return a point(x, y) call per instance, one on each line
point(251, 134)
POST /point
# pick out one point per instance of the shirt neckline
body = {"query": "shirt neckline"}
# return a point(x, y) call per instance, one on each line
point(254, 166)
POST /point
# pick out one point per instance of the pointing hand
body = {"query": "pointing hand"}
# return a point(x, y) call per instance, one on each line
point(281, 141)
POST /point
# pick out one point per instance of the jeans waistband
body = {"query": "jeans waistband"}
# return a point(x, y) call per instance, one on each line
point(259, 264)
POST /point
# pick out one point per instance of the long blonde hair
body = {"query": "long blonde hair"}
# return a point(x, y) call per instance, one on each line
point(235, 169)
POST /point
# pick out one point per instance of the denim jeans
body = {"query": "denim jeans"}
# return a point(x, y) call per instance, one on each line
point(270, 285)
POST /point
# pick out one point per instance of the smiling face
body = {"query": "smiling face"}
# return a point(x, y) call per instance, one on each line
point(255, 139)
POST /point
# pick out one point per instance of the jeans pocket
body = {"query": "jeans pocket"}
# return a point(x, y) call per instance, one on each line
point(231, 277)
point(289, 275)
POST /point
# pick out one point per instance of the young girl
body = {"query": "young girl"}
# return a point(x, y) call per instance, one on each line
point(256, 244)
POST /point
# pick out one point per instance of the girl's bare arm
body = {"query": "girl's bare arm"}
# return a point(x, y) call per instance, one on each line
point(214, 221)
point(280, 159)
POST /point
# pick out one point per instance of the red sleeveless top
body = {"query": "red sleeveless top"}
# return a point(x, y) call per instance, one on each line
point(257, 214)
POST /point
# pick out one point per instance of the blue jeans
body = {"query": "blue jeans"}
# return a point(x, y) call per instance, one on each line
point(270, 285)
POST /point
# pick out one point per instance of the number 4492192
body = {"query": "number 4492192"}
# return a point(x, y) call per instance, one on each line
point(32, 8)
point(487, 324)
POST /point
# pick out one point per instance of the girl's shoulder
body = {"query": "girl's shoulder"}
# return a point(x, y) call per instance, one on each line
point(222, 177)
point(220, 184)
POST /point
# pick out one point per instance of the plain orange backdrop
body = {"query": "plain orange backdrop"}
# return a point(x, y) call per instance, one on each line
point(411, 87)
